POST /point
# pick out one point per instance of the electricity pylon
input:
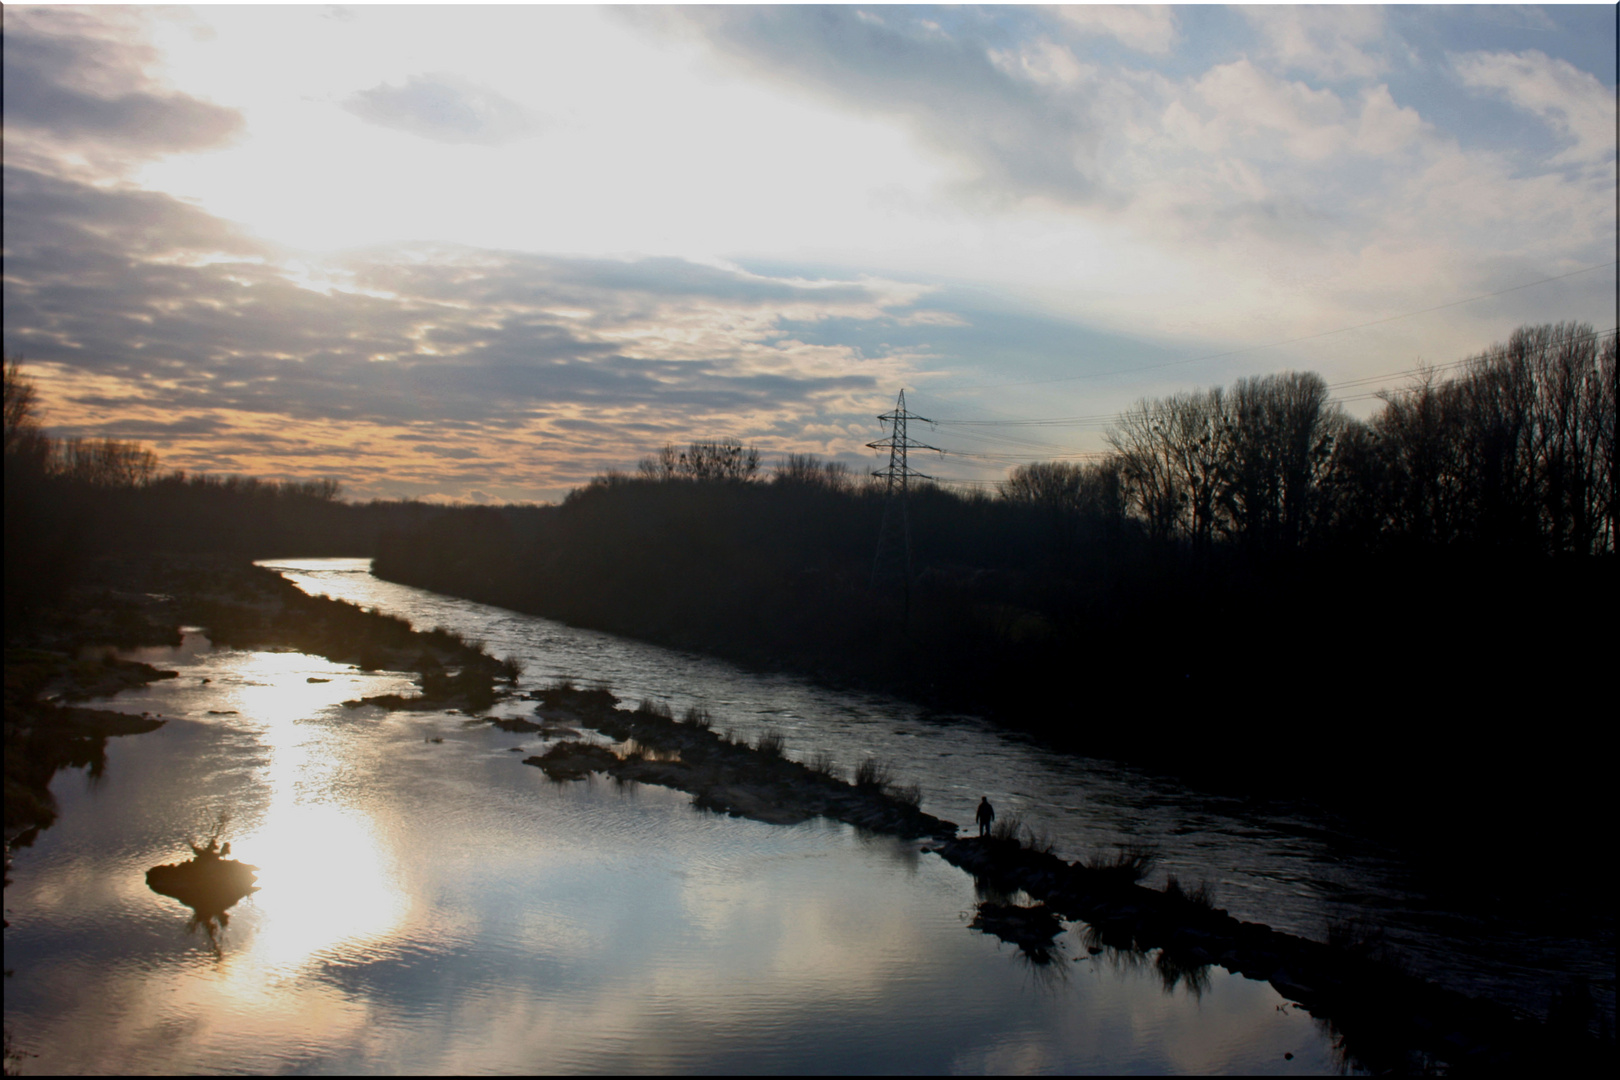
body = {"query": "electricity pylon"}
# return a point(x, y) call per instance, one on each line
point(899, 474)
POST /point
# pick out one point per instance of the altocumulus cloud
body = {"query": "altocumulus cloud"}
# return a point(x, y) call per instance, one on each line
point(445, 108)
point(499, 355)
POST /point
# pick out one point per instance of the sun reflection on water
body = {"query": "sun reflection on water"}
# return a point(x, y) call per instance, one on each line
point(328, 885)
point(444, 909)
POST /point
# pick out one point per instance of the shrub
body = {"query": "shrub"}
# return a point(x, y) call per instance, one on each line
point(770, 744)
point(822, 762)
point(1038, 839)
point(656, 709)
point(910, 794)
point(1008, 829)
point(698, 717)
point(1129, 863)
point(1200, 895)
point(874, 773)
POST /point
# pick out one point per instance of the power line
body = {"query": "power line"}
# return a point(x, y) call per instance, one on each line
point(1287, 341)
point(1109, 419)
point(899, 474)
point(1106, 418)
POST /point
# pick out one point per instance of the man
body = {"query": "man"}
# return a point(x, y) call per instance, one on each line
point(985, 816)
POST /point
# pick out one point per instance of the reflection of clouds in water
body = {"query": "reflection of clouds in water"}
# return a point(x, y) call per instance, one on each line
point(444, 909)
point(326, 886)
point(832, 947)
point(187, 1013)
point(326, 883)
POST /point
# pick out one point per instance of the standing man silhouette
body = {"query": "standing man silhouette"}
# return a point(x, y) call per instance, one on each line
point(985, 816)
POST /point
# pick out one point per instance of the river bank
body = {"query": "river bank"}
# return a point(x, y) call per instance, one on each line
point(852, 727)
point(1388, 1018)
point(68, 653)
point(722, 773)
point(433, 907)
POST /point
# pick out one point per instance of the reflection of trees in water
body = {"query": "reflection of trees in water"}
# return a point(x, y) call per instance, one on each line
point(987, 891)
point(1359, 1042)
point(1176, 970)
point(1117, 949)
point(1045, 971)
point(1032, 927)
point(209, 884)
point(213, 924)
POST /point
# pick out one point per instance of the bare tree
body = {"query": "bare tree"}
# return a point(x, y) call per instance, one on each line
point(1190, 430)
point(106, 463)
point(1278, 436)
point(1173, 455)
point(25, 440)
point(1415, 434)
point(715, 459)
point(1152, 488)
point(811, 471)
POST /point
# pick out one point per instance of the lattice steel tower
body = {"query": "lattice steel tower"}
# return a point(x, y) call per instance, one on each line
point(894, 556)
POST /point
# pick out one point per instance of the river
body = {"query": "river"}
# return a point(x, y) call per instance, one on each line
point(430, 904)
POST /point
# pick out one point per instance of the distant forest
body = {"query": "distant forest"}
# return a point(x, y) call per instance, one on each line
point(1251, 584)
point(70, 500)
point(1249, 581)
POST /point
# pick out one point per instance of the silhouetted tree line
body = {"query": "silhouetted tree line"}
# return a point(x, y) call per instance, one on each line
point(1515, 452)
point(1249, 581)
point(715, 460)
point(67, 500)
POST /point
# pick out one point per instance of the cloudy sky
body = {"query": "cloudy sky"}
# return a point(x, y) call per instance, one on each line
point(487, 253)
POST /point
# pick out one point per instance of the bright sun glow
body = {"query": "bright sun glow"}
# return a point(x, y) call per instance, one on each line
point(740, 166)
point(327, 884)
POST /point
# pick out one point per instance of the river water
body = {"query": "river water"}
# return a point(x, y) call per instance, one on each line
point(430, 904)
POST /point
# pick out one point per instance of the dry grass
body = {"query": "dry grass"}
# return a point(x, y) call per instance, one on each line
point(1201, 895)
point(769, 744)
point(1008, 828)
point(874, 773)
point(1129, 863)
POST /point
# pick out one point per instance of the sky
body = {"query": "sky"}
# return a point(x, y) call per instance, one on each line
point(487, 253)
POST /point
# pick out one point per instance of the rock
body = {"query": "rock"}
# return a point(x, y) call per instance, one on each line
point(572, 760)
point(513, 723)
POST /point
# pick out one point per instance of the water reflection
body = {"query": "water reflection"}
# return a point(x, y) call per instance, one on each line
point(327, 885)
point(1033, 928)
point(438, 907)
point(209, 883)
point(1278, 861)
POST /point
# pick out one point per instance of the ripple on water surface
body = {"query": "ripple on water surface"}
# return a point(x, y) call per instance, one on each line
point(442, 907)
